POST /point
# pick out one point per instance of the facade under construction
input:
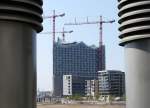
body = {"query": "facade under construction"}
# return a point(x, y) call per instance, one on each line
point(78, 60)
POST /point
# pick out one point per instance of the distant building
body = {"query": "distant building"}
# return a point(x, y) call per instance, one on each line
point(91, 87)
point(111, 82)
point(76, 59)
point(43, 96)
point(73, 85)
point(67, 85)
point(78, 85)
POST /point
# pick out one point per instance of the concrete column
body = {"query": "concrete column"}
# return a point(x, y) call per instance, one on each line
point(20, 20)
point(135, 37)
point(137, 57)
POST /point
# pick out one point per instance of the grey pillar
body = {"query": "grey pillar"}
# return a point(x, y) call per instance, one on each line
point(135, 37)
point(20, 20)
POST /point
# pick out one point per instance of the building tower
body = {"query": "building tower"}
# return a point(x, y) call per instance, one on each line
point(76, 59)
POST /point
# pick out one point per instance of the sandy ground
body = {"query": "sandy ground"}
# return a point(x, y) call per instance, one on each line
point(80, 106)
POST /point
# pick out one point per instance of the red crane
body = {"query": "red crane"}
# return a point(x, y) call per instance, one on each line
point(63, 32)
point(100, 22)
point(54, 16)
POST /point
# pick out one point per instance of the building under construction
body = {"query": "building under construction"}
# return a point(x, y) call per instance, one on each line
point(76, 59)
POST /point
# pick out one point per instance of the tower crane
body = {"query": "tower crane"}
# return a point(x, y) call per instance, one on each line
point(63, 32)
point(100, 23)
point(54, 16)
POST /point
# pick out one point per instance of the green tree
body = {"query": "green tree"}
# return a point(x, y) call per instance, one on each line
point(77, 97)
point(97, 96)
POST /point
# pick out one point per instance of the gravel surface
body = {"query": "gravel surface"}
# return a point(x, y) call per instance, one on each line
point(80, 106)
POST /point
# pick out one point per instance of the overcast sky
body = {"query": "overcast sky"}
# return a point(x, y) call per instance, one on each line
point(86, 33)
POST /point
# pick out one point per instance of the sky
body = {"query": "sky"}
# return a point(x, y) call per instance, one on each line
point(79, 9)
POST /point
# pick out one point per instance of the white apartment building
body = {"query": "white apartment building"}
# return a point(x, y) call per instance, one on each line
point(67, 85)
point(91, 87)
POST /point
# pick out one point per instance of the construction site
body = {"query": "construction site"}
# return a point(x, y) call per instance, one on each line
point(78, 68)
point(80, 76)
point(76, 59)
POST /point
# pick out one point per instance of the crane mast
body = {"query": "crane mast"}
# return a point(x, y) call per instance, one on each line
point(53, 17)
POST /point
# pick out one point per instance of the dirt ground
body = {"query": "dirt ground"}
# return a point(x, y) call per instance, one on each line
point(80, 106)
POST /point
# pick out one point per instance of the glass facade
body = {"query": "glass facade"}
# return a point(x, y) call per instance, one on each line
point(76, 59)
point(111, 82)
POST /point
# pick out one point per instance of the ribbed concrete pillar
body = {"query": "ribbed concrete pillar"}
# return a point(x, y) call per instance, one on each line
point(20, 20)
point(135, 37)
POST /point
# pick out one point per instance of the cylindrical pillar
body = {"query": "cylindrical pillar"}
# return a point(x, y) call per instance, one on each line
point(20, 20)
point(135, 37)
